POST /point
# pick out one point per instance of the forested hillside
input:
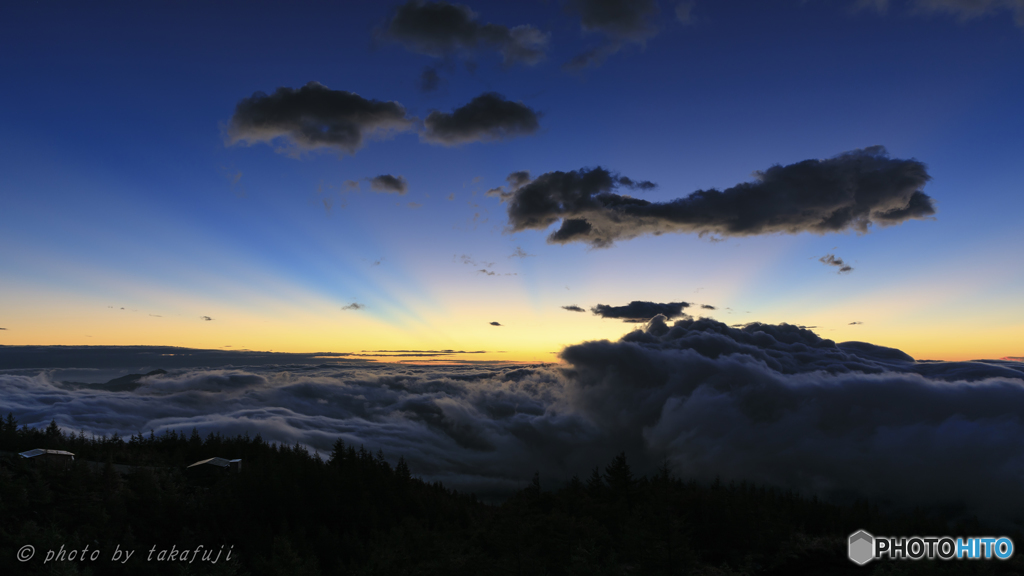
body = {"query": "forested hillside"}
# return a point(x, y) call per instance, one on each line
point(290, 512)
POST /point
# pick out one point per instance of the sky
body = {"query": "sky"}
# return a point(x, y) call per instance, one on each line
point(365, 177)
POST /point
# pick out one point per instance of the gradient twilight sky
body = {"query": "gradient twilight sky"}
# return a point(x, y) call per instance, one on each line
point(127, 216)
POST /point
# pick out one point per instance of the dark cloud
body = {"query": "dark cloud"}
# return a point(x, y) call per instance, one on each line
point(708, 307)
point(832, 260)
point(573, 308)
point(619, 21)
point(773, 404)
point(204, 318)
point(354, 306)
point(441, 29)
point(314, 116)
point(626, 19)
point(495, 324)
point(487, 117)
point(430, 80)
point(389, 183)
point(3, 328)
point(638, 185)
point(851, 191)
point(638, 311)
point(486, 272)
point(855, 323)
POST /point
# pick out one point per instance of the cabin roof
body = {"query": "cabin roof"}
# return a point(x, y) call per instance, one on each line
point(220, 462)
point(41, 451)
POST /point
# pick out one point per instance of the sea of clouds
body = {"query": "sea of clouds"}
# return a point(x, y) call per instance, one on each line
point(763, 403)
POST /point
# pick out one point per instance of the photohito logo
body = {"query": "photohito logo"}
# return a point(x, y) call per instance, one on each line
point(863, 547)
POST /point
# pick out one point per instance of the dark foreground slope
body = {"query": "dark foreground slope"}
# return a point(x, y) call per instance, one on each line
point(289, 512)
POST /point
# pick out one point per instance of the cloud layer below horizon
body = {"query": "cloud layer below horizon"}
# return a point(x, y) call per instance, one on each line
point(764, 403)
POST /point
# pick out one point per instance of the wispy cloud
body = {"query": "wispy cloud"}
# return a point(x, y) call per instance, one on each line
point(832, 260)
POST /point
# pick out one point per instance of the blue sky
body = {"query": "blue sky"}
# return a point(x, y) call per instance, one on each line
point(119, 188)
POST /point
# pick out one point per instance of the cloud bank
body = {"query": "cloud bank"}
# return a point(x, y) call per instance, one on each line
point(851, 191)
point(767, 403)
point(487, 117)
point(314, 116)
point(442, 29)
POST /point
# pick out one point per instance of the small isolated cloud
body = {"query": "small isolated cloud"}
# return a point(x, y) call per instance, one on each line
point(832, 260)
point(352, 184)
point(156, 316)
point(851, 191)
point(442, 29)
point(389, 183)
point(414, 205)
point(573, 308)
point(639, 311)
point(620, 22)
point(234, 176)
point(430, 80)
point(486, 272)
point(520, 253)
point(3, 328)
point(203, 318)
point(707, 307)
point(855, 323)
point(495, 324)
point(469, 261)
point(487, 117)
point(354, 306)
point(451, 196)
point(314, 116)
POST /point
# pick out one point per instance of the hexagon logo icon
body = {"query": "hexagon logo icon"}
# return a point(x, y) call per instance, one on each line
point(861, 549)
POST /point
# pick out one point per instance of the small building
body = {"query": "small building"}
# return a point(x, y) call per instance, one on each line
point(216, 465)
point(55, 458)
